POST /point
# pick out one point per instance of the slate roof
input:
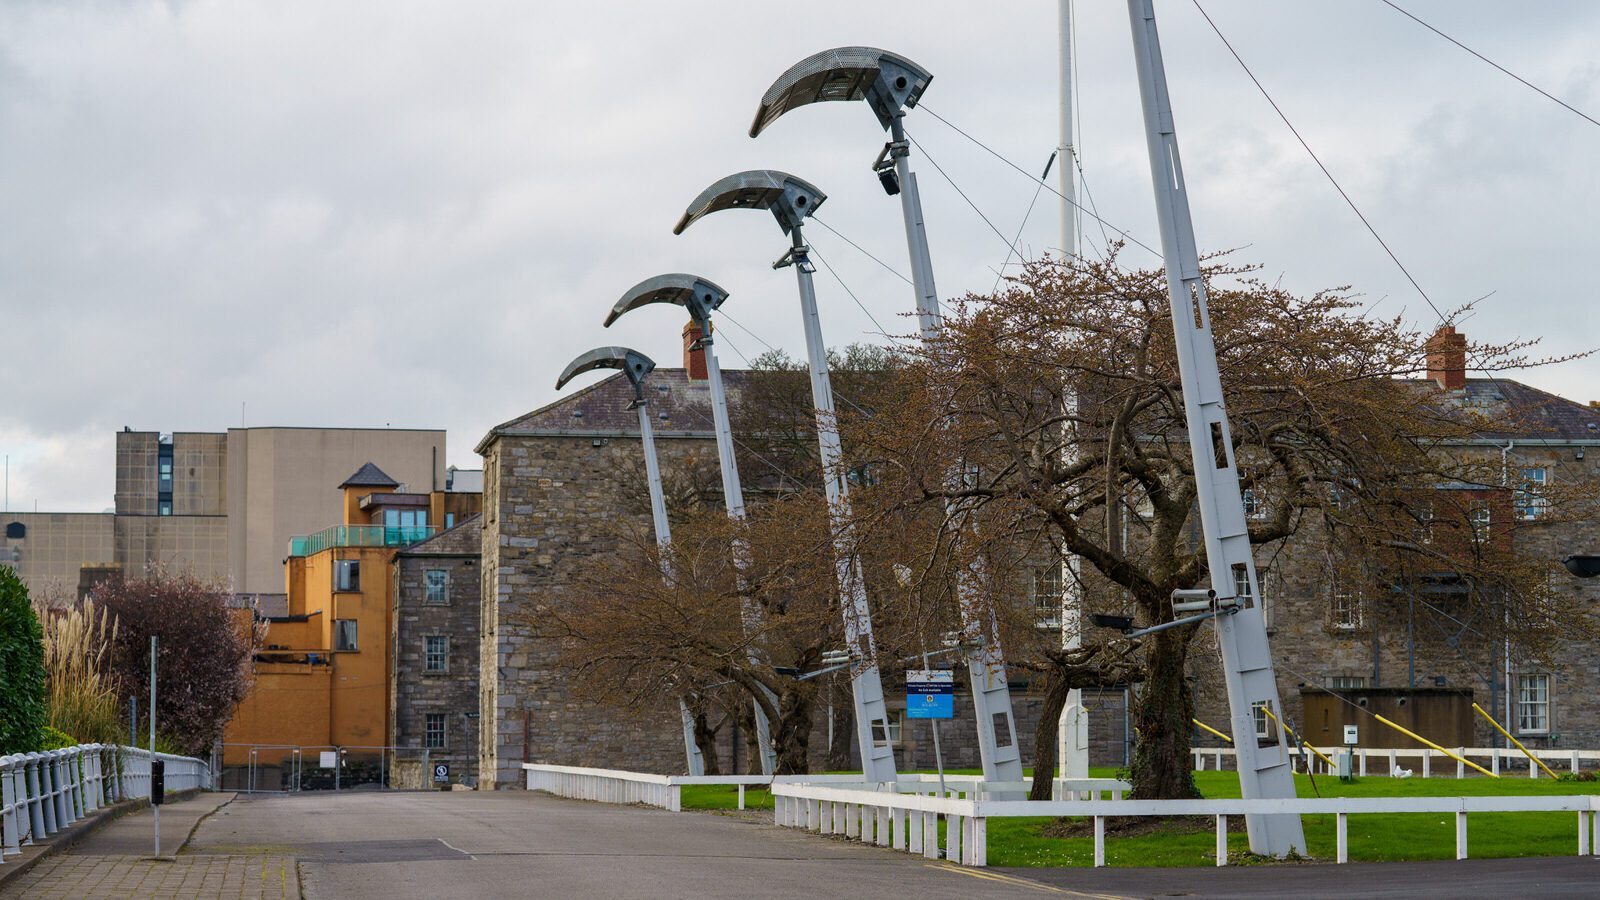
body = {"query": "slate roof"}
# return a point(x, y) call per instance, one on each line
point(1522, 411)
point(369, 475)
point(676, 403)
point(466, 537)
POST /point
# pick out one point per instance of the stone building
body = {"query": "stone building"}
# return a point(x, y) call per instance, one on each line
point(1344, 647)
point(551, 480)
point(551, 487)
point(434, 695)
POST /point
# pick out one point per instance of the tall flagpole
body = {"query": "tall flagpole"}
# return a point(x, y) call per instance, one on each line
point(1072, 734)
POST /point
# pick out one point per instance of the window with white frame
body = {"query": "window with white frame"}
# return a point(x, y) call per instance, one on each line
point(1263, 720)
point(433, 731)
point(1424, 533)
point(889, 732)
point(1480, 522)
point(344, 635)
point(1255, 506)
point(1533, 704)
point(1047, 592)
point(436, 583)
point(435, 652)
point(1346, 609)
point(347, 575)
point(1530, 497)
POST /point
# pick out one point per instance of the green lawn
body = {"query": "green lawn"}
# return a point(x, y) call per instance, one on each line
point(1373, 838)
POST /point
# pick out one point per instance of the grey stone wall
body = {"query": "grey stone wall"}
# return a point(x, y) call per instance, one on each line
point(547, 503)
point(417, 692)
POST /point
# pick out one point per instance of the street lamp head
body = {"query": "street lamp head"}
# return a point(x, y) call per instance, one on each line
point(632, 363)
point(698, 295)
point(1582, 566)
point(789, 198)
point(888, 82)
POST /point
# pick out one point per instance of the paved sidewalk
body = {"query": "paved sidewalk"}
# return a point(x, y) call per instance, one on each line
point(115, 861)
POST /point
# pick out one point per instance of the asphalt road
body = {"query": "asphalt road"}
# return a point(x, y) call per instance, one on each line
point(486, 845)
point(514, 844)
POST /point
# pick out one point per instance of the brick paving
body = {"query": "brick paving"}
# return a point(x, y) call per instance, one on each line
point(87, 875)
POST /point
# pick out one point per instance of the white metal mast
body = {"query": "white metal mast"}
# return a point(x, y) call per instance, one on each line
point(1072, 733)
point(1264, 771)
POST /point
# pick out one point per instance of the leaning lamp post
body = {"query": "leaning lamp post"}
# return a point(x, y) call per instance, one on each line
point(636, 366)
point(791, 200)
point(890, 84)
point(701, 296)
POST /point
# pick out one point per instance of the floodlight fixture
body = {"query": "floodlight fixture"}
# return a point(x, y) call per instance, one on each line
point(790, 199)
point(1582, 566)
point(632, 363)
point(889, 83)
point(700, 296)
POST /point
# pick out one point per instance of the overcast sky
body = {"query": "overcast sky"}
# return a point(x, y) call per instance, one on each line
point(414, 213)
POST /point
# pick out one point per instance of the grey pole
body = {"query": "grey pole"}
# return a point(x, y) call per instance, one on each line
point(890, 84)
point(790, 200)
point(155, 807)
point(1264, 772)
point(700, 297)
point(636, 366)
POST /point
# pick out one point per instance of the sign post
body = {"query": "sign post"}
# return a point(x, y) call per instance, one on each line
point(1346, 759)
point(931, 694)
point(158, 782)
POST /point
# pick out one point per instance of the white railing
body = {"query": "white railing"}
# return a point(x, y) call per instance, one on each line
point(911, 822)
point(1425, 762)
point(663, 791)
point(43, 793)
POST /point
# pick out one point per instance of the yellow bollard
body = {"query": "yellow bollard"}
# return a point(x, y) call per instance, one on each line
point(1417, 737)
point(1513, 740)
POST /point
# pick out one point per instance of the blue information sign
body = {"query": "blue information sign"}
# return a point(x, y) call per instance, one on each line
point(930, 694)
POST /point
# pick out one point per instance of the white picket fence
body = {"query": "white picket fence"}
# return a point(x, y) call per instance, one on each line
point(1421, 761)
point(664, 791)
point(911, 823)
point(906, 815)
point(43, 793)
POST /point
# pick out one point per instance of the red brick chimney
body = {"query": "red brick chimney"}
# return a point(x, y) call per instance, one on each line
point(694, 357)
point(1447, 358)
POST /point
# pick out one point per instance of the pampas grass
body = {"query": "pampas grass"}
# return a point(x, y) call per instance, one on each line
point(77, 664)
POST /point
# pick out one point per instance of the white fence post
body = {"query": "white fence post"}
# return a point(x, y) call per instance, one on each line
point(1222, 840)
point(1342, 837)
point(1461, 835)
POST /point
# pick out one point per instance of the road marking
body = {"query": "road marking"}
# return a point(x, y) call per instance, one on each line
point(1020, 882)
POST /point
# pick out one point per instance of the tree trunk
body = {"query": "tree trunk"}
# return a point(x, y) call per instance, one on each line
point(1163, 767)
point(705, 737)
point(1044, 738)
point(792, 733)
point(746, 721)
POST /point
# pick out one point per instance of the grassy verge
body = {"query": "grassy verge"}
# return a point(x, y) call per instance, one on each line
point(1380, 837)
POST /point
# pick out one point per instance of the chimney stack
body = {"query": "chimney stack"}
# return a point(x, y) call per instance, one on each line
point(1447, 358)
point(694, 356)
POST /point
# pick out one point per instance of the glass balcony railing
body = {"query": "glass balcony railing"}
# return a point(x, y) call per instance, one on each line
point(360, 536)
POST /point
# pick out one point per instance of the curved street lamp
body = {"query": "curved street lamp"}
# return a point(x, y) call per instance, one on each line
point(890, 84)
point(701, 296)
point(791, 200)
point(636, 366)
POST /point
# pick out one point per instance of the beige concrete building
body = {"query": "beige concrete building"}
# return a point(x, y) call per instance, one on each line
point(220, 505)
point(280, 483)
